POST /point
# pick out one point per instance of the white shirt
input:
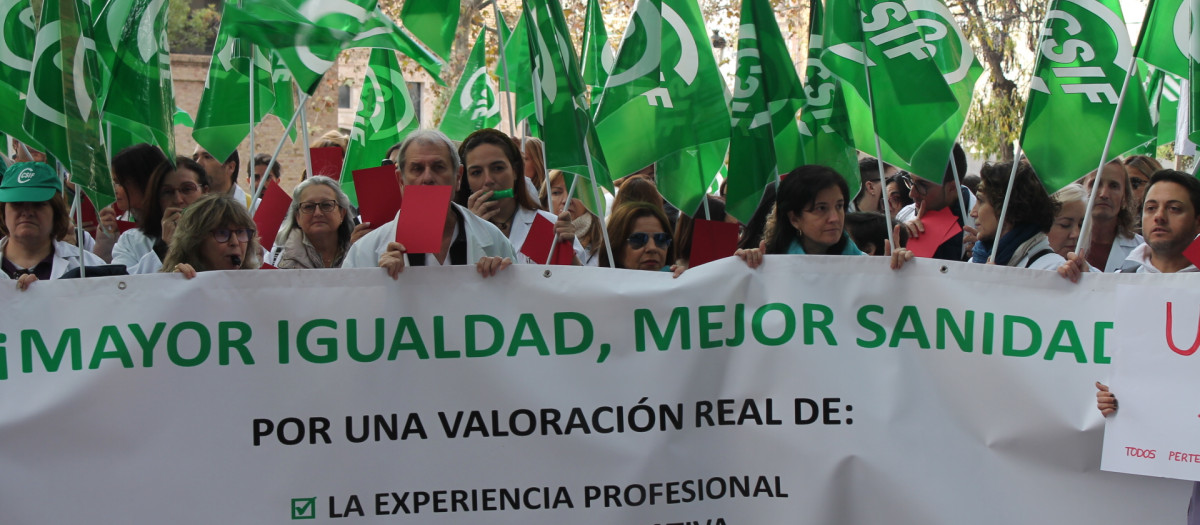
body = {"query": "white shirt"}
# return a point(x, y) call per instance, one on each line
point(66, 258)
point(483, 240)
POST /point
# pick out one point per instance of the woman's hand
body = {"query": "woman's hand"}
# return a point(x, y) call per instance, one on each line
point(186, 269)
point(490, 266)
point(483, 208)
point(753, 256)
point(169, 221)
point(565, 228)
point(108, 222)
point(359, 231)
point(1106, 401)
point(24, 281)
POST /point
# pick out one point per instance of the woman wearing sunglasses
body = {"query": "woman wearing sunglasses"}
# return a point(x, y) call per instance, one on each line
point(809, 217)
point(317, 230)
point(640, 237)
point(172, 188)
point(215, 233)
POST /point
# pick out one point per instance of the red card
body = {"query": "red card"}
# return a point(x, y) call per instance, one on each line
point(537, 244)
point(712, 240)
point(327, 161)
point(379, 194)
point(940, 226)
point(123, 226)
point(270, 213)
point(1193, 252)
point(422, 218)
point(88, 212)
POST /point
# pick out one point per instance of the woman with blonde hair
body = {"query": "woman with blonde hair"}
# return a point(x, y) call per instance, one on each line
point(215, 233)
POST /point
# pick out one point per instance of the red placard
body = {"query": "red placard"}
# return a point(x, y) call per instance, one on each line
point(124, 226)
point(1192, 252)
point(940, 226)
point(422, 217)
point(712, 240)
point(328, 161)
point(270, 213)
point(379, 194)
point(537, 244)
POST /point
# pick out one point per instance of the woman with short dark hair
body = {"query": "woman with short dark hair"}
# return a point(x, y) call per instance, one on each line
point(1023, 242)
point(33, 217)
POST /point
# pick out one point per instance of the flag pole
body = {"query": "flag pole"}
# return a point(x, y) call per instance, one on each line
point(258, 190)
point(304, 131)
point(512, 131)
point(566, 205)
point(587, 152)
point(253, 188)
point(1012, 174)
point(1085, 232)
point(887, 213)
point(962, 206)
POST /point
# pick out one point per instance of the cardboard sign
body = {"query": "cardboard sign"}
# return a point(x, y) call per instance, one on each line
point(379, 194)
point(270, 213)
point(940, 226)
point(538, 240)
point(423, 218)
point(327, 161)
point(712, 240)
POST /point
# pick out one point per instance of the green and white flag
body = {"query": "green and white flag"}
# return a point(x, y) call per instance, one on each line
point(182, 118)
point(433, 22)
point(1167, 110)
point(597, 56)
point(474, 104)
point(285, 94)
point(309, 34)
point(907, 101)
point(520, 71)
point(766, 95)
point(1166, 34)
point(17, 29)
point(62, 112)
point(566, 121)
point(223, 119)
point(143, 96)
point(825, 135)
point(664, 102)
point(385, 116)
point(1084, 59)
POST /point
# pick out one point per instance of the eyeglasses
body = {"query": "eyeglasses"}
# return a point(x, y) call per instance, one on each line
point(224, 234)
point(905, 178)
point(186, 189)
point(308, 208)
point(638, 240)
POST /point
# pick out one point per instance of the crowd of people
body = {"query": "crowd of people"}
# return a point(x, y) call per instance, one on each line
point(1143, 219)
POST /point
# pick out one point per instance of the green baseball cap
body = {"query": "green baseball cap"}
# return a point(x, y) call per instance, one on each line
point(29, 182)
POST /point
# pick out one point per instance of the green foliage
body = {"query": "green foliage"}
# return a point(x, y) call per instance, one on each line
point(192, 30)
point(993, 123)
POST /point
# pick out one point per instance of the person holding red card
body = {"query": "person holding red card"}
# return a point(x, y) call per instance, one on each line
point(427, 157)
point(317, 231)
point(170, 191)
point(493, 188)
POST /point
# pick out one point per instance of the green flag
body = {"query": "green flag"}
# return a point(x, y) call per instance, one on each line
point(565, 121)
point(309, 34)
point(597, 56)
point(1167, 109)
point(907, 101)
point(520, 70)
point(385, 116)
point(473, 105)
point(17, 30)
point(766, 95)
point(1166, 36)
point(143, 100)
point(62, 113)
point(1080, 89)
point(223, 119)
point(664, 102)
point(282, 88)
point(182, 118)
point(433, 22)
point(825, 135)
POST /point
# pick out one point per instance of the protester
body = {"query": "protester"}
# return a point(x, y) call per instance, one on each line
point(809, 217)
point(897, 193)
point(928, 195)
point(332, 139)
point(1070, 202)
point(685, 227)
point(1170, 218)
point(261, 161)
point(1139, 168)
point(641, 237)
point(172, 189)
point(870, 192)
point(222, 176)
point(131, 169)
point(33, 216)
point(492, 164)
point(868, 231)
point(532, 153)
point(589, 229)
point(214, 233)
point(428, 157)
point(1113, 237)
point(317, 231)
point(1023, 242)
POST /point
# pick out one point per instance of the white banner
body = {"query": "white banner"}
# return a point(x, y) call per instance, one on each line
point(815, 390)
point(1156, 431)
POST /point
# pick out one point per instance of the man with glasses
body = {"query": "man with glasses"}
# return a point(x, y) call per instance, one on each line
point(928, 196)
point(427, 157)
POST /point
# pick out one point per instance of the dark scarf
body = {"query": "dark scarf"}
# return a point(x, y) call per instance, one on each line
point(1008, 244)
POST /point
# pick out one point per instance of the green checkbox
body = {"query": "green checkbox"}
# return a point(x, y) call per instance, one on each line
point(304, 508)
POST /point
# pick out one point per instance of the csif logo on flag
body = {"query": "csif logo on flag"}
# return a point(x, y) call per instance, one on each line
point(1182, 28)
point(939, 28)
point(819, 90)
point(651, 24)
point(1082, 38)
point(16, 20)
point(749, 81)
point(478, 95)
